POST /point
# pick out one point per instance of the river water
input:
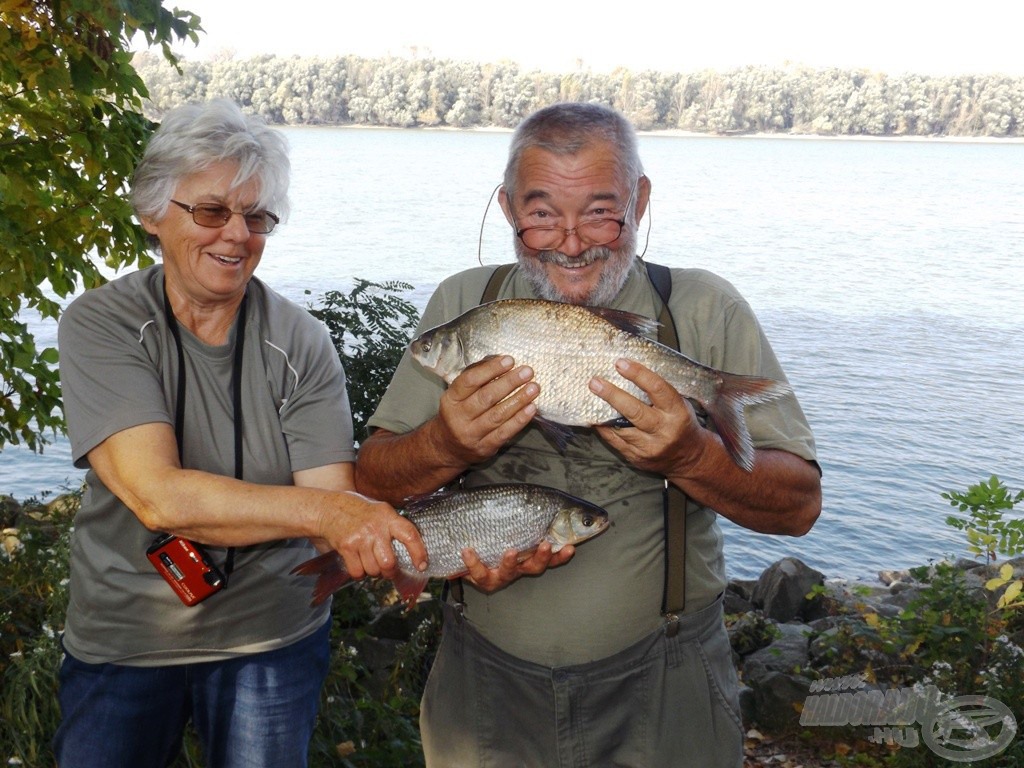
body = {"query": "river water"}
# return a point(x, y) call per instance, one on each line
point(887, 274)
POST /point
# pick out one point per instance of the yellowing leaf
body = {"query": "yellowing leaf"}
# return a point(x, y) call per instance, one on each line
point(1013, 591)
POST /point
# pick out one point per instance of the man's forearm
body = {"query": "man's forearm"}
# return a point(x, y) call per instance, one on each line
point(782, 495)
point(393, 467)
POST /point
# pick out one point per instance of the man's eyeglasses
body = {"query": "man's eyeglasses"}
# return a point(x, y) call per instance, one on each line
point(215, 216)
point(593, 232)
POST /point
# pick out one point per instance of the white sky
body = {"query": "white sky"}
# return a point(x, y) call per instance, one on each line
point(892, 36)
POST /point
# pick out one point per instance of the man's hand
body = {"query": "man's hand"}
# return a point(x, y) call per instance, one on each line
point(666, 436)
point(512, 566)
point(485, 406)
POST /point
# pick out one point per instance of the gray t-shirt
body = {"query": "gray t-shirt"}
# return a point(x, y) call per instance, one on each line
point(609, 595)
point(119, 364)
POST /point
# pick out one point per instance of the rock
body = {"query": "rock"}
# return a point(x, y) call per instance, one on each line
point(737, 597)
point(742, 587)
point(787, 653)
point(893, 577)
point(778, 699)
point(898, 600)
point(823, 625)
point(748, 704)
point(65, 505)
point(963, 564)
point(10, 508)
point(751, 632)
point(986, 572)
point(782, 590)
point(900, 586)
point(821, 651)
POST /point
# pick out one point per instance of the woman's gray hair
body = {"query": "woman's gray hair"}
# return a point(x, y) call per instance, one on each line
point(568, 127)
point(193, 137)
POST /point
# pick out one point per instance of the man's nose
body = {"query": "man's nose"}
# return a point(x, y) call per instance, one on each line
point(572, 245)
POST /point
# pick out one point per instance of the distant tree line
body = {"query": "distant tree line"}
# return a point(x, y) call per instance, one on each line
point(424, 92)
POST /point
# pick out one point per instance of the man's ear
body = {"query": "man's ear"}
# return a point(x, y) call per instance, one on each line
point(503, 201)
point(643, 196)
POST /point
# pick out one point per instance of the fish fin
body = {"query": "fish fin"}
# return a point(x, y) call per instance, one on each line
point(630, 322)
point(619, 422)
point(726, 411)
point(417, 502)
point(409, 587)
point(331, 575)
point(559, 434)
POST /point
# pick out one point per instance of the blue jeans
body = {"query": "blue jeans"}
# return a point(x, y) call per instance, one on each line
point(253, 711)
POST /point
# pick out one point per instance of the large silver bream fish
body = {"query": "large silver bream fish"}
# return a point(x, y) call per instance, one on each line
point(490, 520)
point(567, 345)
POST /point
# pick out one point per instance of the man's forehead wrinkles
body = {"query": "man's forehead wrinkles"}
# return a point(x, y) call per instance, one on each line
point(545, 195)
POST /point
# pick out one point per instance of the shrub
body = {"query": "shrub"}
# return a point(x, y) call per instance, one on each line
point(949, 636)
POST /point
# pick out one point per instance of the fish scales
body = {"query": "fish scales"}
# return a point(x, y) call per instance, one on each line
point(566, 346)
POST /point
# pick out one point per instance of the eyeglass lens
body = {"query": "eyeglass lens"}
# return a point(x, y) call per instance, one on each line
point(600, 232)
point(214, 216)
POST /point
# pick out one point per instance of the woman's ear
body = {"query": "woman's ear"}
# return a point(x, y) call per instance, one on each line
point(149, 225)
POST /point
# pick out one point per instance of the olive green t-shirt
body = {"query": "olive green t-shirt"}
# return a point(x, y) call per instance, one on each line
point(118, 364)
point(609, 595)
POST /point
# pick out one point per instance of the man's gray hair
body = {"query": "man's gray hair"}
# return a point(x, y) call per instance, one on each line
point(568, 127)
point(193, 137)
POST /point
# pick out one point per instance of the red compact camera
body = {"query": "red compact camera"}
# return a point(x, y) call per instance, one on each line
point(186, 567)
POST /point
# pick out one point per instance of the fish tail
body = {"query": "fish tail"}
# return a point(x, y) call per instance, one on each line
point(331, 575)
point(410, 587)
point(726, 411)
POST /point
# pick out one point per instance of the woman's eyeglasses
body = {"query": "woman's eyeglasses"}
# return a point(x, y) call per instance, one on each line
point(215, 216)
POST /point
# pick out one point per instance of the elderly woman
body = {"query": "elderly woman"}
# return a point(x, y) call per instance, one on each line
point(211, 414)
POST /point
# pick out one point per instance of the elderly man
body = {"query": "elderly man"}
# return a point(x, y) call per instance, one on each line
point(589, 664)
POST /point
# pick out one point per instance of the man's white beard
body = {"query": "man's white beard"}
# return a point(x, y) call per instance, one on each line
point(613, 275)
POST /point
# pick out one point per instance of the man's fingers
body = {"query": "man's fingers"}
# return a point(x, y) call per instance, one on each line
point(631, 409)
point(662, 394)
point(477, 375)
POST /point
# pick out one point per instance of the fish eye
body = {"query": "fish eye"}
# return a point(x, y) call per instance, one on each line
point(425, 345)
point(588, 520)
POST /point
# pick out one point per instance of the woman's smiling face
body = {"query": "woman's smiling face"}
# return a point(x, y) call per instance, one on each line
point(209, 265)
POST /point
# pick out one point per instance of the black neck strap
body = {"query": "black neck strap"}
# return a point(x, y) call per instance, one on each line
point(236, 394)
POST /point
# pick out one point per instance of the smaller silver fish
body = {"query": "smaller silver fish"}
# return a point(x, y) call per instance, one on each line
point(490, 520)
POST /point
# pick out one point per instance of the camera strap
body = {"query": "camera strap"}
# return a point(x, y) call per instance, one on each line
point(236, 397)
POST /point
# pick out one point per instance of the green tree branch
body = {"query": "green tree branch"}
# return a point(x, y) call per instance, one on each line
point(71, 131)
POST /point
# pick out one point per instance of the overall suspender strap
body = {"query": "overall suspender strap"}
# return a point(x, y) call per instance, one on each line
point(494, 283)
point(675, 502)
